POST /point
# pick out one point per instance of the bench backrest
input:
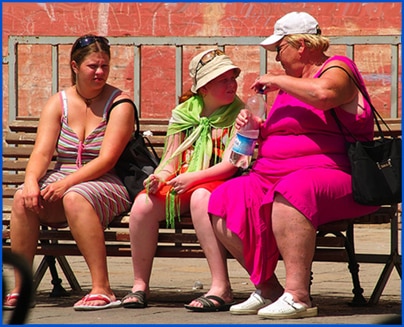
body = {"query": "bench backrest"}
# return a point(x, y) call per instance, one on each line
point(382, 72)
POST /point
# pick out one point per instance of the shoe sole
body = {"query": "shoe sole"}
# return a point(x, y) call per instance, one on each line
point(115, 304)
point(309, 312)
point(247, 311)
point(225, 307)
point(244, 312)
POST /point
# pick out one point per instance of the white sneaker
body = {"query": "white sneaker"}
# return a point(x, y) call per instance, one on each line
point(250, 306)
point(286, 308)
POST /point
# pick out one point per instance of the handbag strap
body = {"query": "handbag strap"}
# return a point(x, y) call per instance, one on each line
point(385, 167)
point(137, 130)
point(375, 113)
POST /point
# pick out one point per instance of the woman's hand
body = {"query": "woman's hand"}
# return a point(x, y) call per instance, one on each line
point(182, 182)
point(265, 83)
point(242, 118)
point(32, 197)
point(152, 183)
point(54, 191)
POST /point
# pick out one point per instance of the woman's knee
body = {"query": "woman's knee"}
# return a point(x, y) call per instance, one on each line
point(282, 208)
point(218, 225)
point(18, 202)
point(287, 219)
point(147, 207)
point(72, 199)
point(74, 204)
point(199, 200)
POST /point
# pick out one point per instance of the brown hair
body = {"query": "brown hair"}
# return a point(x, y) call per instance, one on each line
point(86, 45)
point(185, 96)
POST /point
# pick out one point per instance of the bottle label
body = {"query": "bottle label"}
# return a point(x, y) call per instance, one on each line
point(244, 145)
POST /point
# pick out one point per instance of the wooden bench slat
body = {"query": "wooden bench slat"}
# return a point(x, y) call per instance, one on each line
point(17, 152)
point(19, 138)
point(13, 179)
point(14, 165)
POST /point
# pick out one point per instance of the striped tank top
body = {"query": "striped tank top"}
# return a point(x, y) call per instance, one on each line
point(74, 153)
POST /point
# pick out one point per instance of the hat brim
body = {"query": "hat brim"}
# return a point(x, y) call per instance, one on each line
point(210, 77)
point(270, 42)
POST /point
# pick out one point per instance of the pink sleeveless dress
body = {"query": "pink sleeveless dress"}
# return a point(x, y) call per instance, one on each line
point(301, 156)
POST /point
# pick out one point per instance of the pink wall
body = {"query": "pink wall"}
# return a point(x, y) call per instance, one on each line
point(174, 19)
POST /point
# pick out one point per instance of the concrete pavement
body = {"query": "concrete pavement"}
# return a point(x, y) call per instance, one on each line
point(173, 281)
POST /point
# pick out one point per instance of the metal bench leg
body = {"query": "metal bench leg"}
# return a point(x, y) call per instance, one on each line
point(58, 290)
point(353, 266)
point(40, 272)
point(393, 261)
point(67, 270)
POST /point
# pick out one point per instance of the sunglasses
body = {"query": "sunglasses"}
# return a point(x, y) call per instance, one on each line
point(87, 40)
point(279, 47)
point(207, 58)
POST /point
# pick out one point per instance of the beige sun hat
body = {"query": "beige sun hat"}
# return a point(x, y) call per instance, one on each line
point(292, 23)
point(208, 65)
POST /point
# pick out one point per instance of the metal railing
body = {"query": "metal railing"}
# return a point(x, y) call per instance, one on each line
point(179, 42)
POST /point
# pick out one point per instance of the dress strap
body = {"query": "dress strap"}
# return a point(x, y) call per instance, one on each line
point(63, 99)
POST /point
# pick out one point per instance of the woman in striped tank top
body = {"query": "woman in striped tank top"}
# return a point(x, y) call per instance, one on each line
point(82, 191)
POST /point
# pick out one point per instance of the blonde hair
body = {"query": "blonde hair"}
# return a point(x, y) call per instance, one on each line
point(312, 41)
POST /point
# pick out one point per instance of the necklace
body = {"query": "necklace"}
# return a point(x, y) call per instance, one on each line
point(88, 101)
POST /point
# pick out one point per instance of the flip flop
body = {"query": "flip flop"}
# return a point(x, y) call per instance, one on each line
point(141, 302)
point(14, 296)
point(94, 297)
point(210, 306)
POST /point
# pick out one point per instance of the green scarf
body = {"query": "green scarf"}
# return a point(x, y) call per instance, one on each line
point(198, 131)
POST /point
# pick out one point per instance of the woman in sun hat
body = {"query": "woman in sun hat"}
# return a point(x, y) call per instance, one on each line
point(301, 178)
point(195, 161)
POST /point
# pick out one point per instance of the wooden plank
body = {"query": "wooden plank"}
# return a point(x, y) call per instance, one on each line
point(19, 138)
point(20, 152)
point(15, 179)
point(14, 165)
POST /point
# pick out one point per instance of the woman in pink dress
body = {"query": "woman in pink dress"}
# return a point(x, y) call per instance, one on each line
point(301, 177)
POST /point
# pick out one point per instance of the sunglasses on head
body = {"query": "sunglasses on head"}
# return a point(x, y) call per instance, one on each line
point(207, 58)
point(87, 40)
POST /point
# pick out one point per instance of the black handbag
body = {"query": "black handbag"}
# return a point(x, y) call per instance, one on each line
point(376, 165)
point(137, 160)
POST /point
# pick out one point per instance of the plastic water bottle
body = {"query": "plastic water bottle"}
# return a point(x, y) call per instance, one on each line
point(246, 137)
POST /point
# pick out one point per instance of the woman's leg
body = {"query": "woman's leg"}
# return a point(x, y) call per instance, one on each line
point(145, 215)
point(88, 233)
point(296, 238)
point(270, 289)
point(214, 251)
point(24, 233)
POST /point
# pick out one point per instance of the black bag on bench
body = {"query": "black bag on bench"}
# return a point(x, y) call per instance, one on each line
point(376, 165)
point(137, 160)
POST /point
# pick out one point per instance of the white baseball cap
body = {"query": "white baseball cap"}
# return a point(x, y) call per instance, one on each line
point(292, 23)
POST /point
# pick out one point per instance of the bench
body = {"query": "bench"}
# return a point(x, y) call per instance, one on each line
point(335, 241)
